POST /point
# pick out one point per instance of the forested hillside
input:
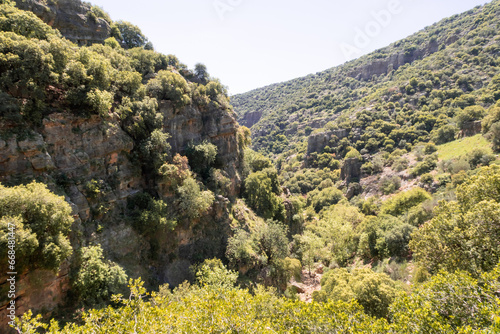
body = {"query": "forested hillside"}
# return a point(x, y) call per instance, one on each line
point(365, 199)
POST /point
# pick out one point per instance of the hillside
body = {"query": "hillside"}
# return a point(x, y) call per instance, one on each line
point(131, 199)
point(404, 87)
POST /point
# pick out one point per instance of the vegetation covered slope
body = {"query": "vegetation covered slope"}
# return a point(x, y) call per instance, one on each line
point(410, 91)
point(402, 231)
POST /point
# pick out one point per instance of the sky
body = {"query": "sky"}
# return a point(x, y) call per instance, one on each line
point(249, 44)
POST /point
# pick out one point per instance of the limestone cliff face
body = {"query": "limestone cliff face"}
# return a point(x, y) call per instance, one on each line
point(396, 60)
point(67, 152)
point(251, 118)
point(318, 141)
point(71, 18)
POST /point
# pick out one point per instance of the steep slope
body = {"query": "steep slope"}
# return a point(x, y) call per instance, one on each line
point(419, 75)
point(109, 129)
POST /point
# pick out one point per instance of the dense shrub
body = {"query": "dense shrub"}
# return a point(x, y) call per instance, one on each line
point(403, 202)
point(170, 86)
point(149, 215)
point(324, 198)
point(375, 292)
point(96, 278)
point(463, 233)
point(43, 221)
point(201, 157)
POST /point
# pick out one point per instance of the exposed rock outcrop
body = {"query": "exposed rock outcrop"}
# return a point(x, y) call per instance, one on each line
point(470, 129)
point(214, 125)
point(351, 169)
point(318, 141)
point(394, 61)
point(69, 151)
point(251, 118)
point(71, 18)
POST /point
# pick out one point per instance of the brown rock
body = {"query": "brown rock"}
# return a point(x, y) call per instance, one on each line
point(71, 18)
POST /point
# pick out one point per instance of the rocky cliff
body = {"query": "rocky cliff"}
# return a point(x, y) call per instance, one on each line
point(71, 17)
point(68, 152)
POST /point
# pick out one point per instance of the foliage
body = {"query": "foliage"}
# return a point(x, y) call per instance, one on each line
point(155, 150)
point(262, 190)
point(262, 246)
point(212, 273)
point(403, 202)
point(429, 163)
point(462, 233)
point(43, 221)
point(131, 35)
point(24, 23)
point(200, 310)
point(389, 185)
point(320, 199)
point(384, 236)
point(192, 201)
point(170, 86)
point(201, 157)
point(96, 278)
point(149, 215)
point(375, 292)
point(449, 303)
point(332, 239)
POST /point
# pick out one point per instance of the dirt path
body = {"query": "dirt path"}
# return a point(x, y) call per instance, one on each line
point(309, 284)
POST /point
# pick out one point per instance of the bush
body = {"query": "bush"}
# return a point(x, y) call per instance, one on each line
point(403, 202)
point(384, 236)
point(149, 215)
point(375, 292)
point(390, 184)
point(480, 157)
point(430, 148)
point(154, 150)
point(444, 134)
point(43, 221)
point(262, 189)
point(212, 273)
point(463, 234)
point(170, 86)
point(353, 153)
point(96, 278)
point(202, 157)
point(449, 302)
point(429, 163)
point(192, 202)
point(325, 198)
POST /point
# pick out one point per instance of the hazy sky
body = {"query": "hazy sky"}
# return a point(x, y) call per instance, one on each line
point(252, 43)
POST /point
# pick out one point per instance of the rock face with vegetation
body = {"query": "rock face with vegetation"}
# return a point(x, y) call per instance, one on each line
point(375, 183)
point(75, 20)
point(112, 136)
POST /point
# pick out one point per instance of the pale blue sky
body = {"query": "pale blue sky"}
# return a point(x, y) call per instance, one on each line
point(252, 43)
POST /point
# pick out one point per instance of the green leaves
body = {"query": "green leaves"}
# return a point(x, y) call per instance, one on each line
point(43, 221)
point(96, 278)
point(375, 292)
point(464, 233)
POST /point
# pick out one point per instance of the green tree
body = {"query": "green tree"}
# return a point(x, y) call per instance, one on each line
point(96, 278)
point(43, 219)
point(448, 303)
point(170, 86)
point(260, 191)
point(375, 292)
point(201, 73)
point(463, 233)
point(212, 273)
point(131, 35)
point(191, 200)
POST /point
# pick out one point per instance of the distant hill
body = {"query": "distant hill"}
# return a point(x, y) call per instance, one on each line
point(399, 95)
